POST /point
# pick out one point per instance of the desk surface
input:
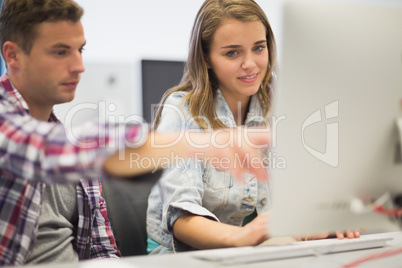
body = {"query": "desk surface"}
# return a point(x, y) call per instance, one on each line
point(187, 260)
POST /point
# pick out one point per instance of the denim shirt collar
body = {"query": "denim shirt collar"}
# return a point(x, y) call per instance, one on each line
point(254, 116)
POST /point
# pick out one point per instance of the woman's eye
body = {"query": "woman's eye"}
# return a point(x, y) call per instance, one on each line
point(231, 53)
point(259, 48)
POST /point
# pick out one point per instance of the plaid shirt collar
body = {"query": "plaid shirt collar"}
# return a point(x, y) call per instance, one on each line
point(16, 97)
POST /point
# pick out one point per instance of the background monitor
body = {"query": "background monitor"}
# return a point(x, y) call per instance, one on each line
point(335, 134)
point(106, 92)
point(157, 77)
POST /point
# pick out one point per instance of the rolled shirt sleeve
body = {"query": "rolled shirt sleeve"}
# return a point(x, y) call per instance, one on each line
point(49, 152)
point(180, 191)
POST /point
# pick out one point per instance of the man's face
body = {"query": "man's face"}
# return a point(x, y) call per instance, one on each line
point(51, 72)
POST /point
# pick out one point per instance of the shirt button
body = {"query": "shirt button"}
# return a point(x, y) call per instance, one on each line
point(263, 201)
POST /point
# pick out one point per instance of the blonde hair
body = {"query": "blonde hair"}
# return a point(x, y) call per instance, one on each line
point(199, 81)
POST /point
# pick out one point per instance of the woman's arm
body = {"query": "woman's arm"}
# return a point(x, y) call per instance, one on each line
point(203, 233)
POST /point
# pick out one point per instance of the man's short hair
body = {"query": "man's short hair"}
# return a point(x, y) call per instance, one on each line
point(19, 19)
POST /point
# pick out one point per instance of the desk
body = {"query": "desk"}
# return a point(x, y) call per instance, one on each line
point(186, 260)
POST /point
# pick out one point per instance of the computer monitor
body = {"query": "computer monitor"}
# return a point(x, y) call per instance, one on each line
point(107, 92)
point(336, 146)
point(157, 77)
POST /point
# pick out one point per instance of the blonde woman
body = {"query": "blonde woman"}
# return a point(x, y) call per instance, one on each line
point(227, 83)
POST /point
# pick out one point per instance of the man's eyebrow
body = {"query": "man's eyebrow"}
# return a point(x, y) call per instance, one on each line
point(61, 45)
point(237, 46)
point(65, 46)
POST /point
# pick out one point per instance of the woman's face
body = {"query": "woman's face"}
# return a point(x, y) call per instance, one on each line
point(239, 58)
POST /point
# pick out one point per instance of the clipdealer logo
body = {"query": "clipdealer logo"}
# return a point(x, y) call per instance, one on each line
point(331, 154)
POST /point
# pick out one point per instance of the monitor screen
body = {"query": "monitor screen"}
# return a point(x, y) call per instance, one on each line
point(157, 77)
point(336, 148)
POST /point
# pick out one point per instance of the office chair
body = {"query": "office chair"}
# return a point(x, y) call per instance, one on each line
point(127, 203)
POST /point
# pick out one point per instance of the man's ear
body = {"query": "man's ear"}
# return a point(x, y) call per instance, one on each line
point(11, 52)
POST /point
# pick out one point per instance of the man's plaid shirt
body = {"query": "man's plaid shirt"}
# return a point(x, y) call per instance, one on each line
point(33, 153)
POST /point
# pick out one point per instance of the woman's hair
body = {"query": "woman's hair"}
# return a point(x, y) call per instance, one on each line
point(199, 81)
point(19, 19)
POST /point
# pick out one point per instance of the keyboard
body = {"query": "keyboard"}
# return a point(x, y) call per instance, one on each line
point(288, 250)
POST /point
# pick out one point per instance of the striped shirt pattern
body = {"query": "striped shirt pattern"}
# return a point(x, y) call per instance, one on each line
point(34, 153)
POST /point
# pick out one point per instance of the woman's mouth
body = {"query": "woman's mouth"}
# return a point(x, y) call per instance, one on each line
point(249, 78)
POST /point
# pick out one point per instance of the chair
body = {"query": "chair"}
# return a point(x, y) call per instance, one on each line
point(127, 203)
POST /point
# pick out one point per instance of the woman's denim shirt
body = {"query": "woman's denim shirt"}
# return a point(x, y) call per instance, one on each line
point(197, 188)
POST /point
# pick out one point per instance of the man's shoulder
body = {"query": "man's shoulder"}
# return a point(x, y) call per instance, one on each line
point(10, 99)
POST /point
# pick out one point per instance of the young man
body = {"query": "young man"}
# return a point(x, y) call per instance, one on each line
point(51, 209)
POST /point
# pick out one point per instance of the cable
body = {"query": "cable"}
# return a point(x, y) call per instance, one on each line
point(372, 257)
point(378, 206)
point(359, 207)
point(388, 212)
point(384, 205)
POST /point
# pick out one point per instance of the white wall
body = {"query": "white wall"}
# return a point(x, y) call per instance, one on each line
point(127, 31)
point(132, 29)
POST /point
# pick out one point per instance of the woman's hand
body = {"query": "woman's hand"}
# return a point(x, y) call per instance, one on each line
point(253, 233)
point(339, 235)
point(348, 234)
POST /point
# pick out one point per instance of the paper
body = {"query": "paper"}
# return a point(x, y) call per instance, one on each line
point(278, 241)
